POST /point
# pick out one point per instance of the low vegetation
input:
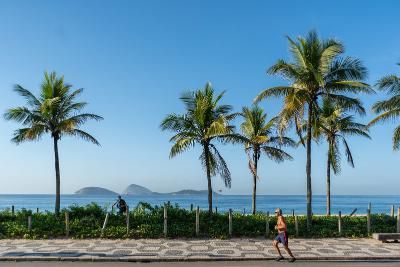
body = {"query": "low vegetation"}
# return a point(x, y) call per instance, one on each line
point(147, 222)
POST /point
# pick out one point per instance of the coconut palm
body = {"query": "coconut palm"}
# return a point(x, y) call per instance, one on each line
point(204, 122)
point(334, 125)
point(316, 70)
point(54, 111)
point(259, 137)
point(389, 109)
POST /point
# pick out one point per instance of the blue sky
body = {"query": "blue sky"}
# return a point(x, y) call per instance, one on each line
point(134, 58)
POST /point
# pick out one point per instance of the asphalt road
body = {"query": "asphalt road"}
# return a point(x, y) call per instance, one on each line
point(200, 264)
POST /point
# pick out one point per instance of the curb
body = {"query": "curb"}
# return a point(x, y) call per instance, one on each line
point(191, 259)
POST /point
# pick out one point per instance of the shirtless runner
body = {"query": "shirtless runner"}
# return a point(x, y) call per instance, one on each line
point(282, 236)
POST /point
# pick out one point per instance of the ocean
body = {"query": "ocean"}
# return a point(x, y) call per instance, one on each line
point(238, 203)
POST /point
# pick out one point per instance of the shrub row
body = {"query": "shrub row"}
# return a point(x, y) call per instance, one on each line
point(147, 222)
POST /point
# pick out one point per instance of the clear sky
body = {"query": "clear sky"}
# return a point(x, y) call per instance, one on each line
point(134, 58)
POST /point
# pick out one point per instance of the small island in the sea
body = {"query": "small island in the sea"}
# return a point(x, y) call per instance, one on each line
point(92, 190)
point(137, 190)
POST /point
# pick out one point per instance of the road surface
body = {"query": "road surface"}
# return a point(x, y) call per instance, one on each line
point(200, 264)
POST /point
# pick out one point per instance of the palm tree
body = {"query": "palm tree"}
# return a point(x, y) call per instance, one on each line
point(334, 125)
point(204, 122)
point(258, 135)
point(316, 70)
point(389, 109)
point(55, 111)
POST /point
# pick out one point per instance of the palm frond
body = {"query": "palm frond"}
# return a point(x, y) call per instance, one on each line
point(390, 83)
point(222, 167)
point(347, 150)
point(19, 114)
point(181, 145)
point(390, 115)
point(276, 154)
point(334, 156)
point(387, 105)
point(274, 92)
point(76, 121)
point(346, 103)
point(33, 133)
point(83, 135)
point(347, 68)
point(32, 100)
point(332, 49)
point(396, 138)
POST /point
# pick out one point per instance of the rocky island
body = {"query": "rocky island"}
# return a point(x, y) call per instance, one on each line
point(137, 190)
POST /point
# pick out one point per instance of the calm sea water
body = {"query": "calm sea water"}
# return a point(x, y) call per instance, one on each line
point(380, 204)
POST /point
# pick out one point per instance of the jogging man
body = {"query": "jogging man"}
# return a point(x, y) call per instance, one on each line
point(121, 205)
point(282, 236)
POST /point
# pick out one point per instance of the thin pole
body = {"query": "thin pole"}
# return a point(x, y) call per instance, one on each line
point(398, 220)
point(66, 224)
point(12, 210)
point(340, 223)
point(165, 221)
point(392, 211)
point(230, 222)
point(197, 221)
point(369, 221)
point(127, 220)
point(29, 223)
point(105, 223)
point(267, 225)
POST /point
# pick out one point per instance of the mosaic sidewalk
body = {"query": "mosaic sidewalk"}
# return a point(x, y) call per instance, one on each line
point(194, 249)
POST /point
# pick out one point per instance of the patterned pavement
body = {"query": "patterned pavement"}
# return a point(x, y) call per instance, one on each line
point(193, 249)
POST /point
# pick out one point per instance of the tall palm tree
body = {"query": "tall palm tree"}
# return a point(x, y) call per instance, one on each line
point(258, 134)
point(334, 125)
point(389, 109)
point(316, 70)
point(204, 122)
point(55, 111)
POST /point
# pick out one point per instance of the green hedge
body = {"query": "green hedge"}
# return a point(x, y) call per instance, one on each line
point(147, 222)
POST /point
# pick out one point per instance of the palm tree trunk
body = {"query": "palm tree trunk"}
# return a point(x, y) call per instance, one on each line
point(328, 185)
point(206, 154)
point(308, 168)
point(57, 166)
point(255, 182)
